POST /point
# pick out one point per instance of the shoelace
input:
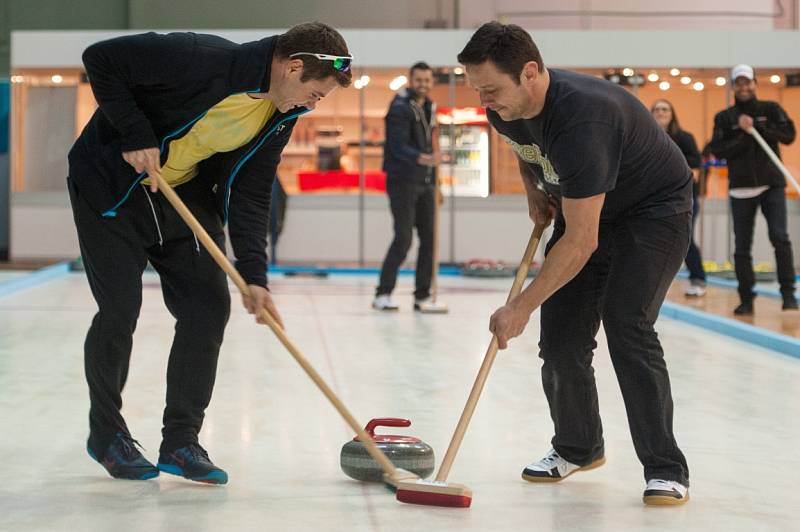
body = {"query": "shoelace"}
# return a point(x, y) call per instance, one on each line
point(198, 452)
point(128, 446)
point(550, 460)
point(664, 485)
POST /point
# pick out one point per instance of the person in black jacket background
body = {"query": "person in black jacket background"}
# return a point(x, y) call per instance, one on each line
point(410, 162)
point(211, 117)
point(665, 115)
point(755, 181)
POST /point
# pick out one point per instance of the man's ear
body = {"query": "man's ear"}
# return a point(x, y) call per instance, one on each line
point(294, 65)
point(530, 73)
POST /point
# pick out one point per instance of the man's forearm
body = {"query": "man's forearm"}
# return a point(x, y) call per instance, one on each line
point(564, 261)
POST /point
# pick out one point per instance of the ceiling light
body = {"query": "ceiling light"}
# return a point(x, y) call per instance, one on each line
point(398, 82)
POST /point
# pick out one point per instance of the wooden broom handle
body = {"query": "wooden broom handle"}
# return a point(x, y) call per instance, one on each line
point(435, 251)
point(220, 258)
point(488, 360)
point(761, 142)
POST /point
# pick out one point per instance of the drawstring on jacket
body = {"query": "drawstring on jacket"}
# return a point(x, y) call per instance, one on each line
point(158, 227)
point(155, 218)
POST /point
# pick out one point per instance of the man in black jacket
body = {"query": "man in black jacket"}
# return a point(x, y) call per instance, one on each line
point(409, 162)
point(211, 117)
point(755, 181)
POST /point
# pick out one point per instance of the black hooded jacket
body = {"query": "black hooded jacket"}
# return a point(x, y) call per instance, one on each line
point(748, 164)
point(409, 133)
point(151, 88)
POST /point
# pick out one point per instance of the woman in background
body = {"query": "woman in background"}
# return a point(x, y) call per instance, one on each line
point(664, 114)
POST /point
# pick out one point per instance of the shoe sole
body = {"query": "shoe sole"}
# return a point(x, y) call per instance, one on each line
point(664, 500)
point(145, 476)
point(393, 309)
point(215, 477)
point(431, 309)
point(594, 465)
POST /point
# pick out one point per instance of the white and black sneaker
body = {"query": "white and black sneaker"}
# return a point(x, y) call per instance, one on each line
point(665, 493)
point(695, 289)
point(384, 302)
point(553, 468)
point(429, 306)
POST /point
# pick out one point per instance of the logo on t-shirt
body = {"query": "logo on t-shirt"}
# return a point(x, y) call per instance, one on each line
point(531, 153)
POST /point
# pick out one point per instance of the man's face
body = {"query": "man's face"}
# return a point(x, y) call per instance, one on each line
point(421, 81)
point(744, 89)
point(498, 91)
point(291, 92)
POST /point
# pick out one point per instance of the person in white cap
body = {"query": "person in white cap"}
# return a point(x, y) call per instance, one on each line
point(755, 181)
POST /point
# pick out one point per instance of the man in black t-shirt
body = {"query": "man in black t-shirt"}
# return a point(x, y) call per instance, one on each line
point(593, 157)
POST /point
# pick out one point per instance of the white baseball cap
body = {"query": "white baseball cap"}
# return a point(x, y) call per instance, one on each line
point(740, 71)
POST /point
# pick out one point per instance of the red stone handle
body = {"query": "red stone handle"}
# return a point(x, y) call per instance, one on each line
point(385, 422)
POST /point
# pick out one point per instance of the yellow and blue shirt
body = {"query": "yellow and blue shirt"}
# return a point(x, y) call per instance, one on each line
point(229, 125)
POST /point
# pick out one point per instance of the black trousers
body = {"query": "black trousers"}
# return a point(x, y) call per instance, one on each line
point(773, 206)
point(694, 260)
point(623, 285)
point(115, 252)
point(412, 206)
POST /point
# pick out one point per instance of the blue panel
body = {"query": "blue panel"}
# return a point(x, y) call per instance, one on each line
point(742, 331)
point(5, 106)
point(33, 279)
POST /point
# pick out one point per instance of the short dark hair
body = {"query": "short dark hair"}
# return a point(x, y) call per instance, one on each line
point(506, 45)
point(419, 65)
point(315, 37)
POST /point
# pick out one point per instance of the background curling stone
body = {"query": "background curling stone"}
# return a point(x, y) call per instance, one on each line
point(406, 452)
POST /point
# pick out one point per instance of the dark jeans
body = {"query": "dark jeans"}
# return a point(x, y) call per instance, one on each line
point(277, 214)
point(623, 285)
point(773, 205)
point(115, 252)
point(694, 261)
point(412, 206)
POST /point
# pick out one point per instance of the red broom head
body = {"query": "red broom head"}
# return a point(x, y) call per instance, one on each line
point(434, 499)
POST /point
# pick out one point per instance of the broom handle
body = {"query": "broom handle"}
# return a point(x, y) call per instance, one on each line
point(488, 360)
point(220, 258)
point(761, 142)
point(435, 272)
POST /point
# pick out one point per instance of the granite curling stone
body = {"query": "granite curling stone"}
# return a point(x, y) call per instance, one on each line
point(405, 452)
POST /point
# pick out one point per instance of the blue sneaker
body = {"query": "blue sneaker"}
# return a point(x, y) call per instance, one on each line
point(123, 460)
point(192, 462)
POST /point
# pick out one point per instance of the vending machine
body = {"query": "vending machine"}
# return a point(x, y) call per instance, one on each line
point(464, 144)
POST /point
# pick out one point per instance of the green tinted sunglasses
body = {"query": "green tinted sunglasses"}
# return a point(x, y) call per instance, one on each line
point(341, 63)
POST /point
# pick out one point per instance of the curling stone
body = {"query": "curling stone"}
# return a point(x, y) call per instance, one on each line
point(486, 268)
point(405, 452)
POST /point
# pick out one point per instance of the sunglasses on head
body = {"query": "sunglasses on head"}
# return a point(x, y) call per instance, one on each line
point(341, 63)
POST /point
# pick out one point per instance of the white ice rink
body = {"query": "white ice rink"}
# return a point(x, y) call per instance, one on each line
point(737, 419)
